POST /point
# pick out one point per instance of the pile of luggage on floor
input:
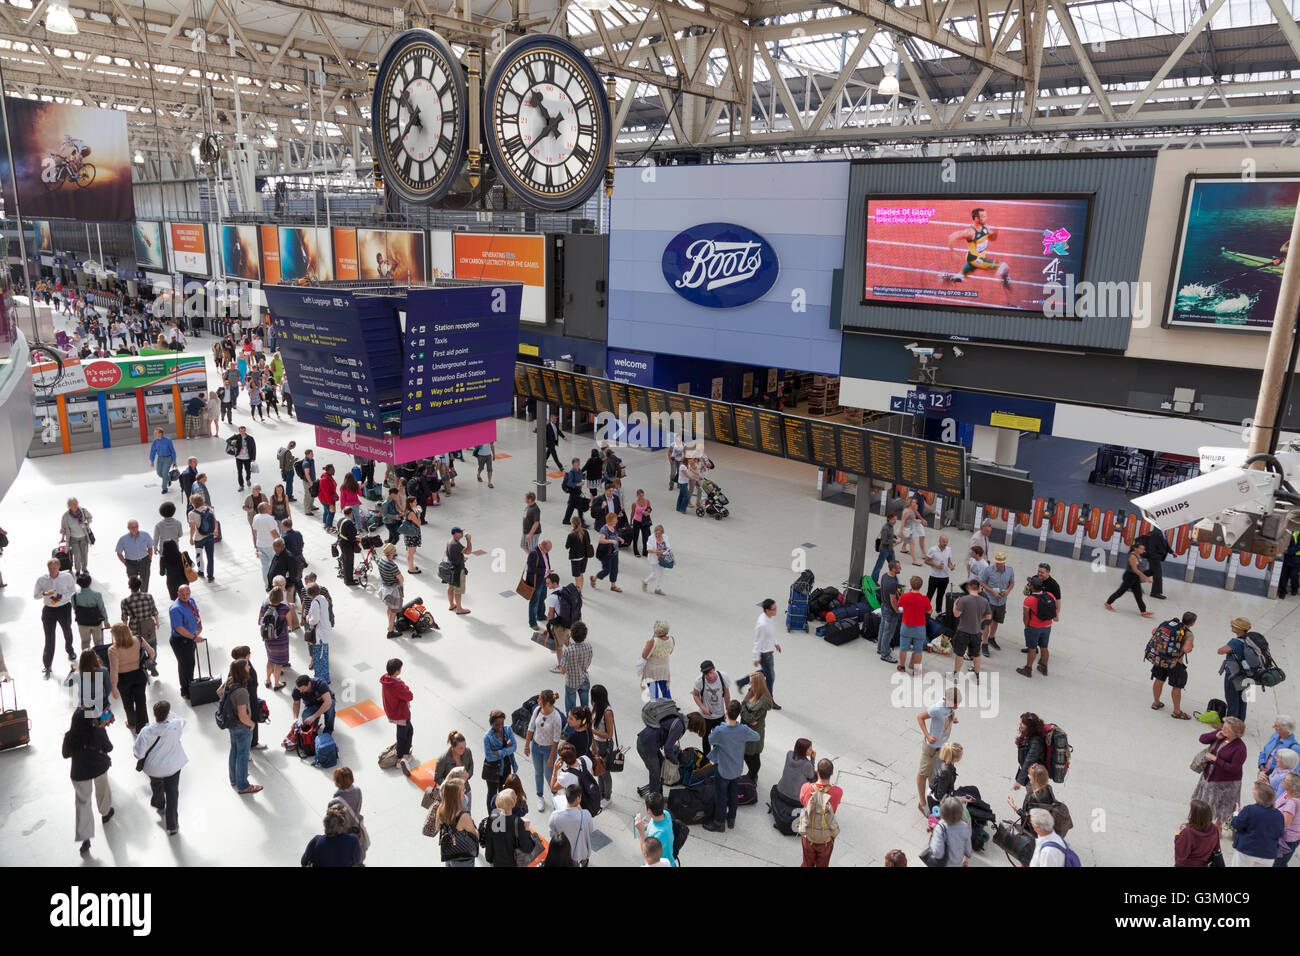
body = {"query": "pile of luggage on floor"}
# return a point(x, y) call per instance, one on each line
point(855, 613)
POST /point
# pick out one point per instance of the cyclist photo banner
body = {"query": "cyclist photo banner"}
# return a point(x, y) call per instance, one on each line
point(72, 162)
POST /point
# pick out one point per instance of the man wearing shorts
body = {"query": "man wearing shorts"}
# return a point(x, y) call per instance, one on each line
point(940, 719)
point(1174, 671)
point(977, 238)
point(912, 635)
point(458, 549)
point(996, 582)
point(484, 454)
point(1039, 613)
point(973, 614)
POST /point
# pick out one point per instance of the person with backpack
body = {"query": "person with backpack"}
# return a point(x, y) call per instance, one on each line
point(1167, 651)
point(203, 534)
point(273, 626)
point(457, 552)
point(1049, 848)
point(234, 708)
point(817, 824)
point(1135, 575)
point(397, 708)
point(89, 612)
point(607, 552)
point(1247, 661)
point(574, 823)
point(726, 751)
point(573, 767)
point(545, 728)
point(656, 824)
point(575, 662)
point(1039, 612)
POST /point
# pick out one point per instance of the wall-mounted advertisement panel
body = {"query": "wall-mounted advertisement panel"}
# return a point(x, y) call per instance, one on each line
point(306, 255)
point(150, 253)
point(239, 252)
point(442, 260)
point(391, 254)
point(45, 236)
point(973, 252)
point(506, 258)
point(270, 255)
point(1227, 266)
point(70, 162)
point(189, 247)
point(345, 254)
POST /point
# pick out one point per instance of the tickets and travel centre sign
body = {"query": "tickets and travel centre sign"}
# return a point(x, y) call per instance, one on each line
point(927, 465)
point(720, 265)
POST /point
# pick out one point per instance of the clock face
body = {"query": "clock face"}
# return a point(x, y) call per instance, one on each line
point(547, 122)
point(418, 116)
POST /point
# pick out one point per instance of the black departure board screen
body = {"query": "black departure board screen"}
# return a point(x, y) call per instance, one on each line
point(521, 381)
point(882, 455)
point(913, 463)
point(825, 450)
point(552, 386)
point(700, 415)
point(617, 398)
point(600, 395)
point(796, 439)
point(770, 440)
point(948, 469)
point(679, 404)
point(535, 386)
point(637, 400)
point(746, 427)
point(658, 402)
point(724, 429)
point(586, 400)
point(568, 394)
point(853, 449)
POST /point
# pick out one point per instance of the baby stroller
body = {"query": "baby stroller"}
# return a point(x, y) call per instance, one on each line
point(415, 617)
point(712, 501)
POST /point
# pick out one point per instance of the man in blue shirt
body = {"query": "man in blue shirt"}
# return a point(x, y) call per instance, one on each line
point(727, 753)
point(135, 549)
point(162, 455)
point(573, 484)
point(313, 697)
point(187, 628)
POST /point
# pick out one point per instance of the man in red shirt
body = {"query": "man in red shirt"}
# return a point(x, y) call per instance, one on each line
point(912, 636)
point(1039, 612)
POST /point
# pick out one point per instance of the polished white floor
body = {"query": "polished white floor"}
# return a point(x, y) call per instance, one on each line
point(1128, 787)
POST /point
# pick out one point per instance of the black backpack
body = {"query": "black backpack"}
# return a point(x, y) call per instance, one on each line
point(520, 719)
point(1046, 606)
point(591, 795)
point(568, 609)
point(270, 624)
point(225, 715)
point(207, 522)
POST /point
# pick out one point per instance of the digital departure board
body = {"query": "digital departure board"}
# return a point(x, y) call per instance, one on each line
point(658, 402)
point(521, 381)
point(568, 394)
point(825, 450)
point(913, 463)
point(535, 386)
point(853, 449)
point(552, 386)
point(796, 439)
point(948, 469)
point(600, 395)
point(746, 427)
point(701, 414)
point(637, 400)
point(679, 404)
point(770, 439)
point(586, 400)
point(724, 429)
point(882, 454)
point(618, 398)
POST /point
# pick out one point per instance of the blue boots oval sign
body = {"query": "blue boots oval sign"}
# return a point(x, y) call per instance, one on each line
point(720, 265)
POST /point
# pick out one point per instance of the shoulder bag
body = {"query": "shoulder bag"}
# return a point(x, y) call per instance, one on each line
point(928, 858)
point(455, 843)
point(190, 574)
point(591, 552)
point(1201, 762)
point(139, 764)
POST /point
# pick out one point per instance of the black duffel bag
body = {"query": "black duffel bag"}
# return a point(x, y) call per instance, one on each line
point(1015, 841)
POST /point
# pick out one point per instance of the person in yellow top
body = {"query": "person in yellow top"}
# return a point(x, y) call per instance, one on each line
point(977, 237)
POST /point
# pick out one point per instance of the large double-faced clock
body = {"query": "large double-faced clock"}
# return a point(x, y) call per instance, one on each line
point(547, 122)
point(419, 116)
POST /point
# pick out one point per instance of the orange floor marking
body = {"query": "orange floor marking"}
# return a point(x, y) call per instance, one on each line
point(361, 713)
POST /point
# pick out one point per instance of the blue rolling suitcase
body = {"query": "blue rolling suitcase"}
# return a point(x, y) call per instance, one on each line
point(796, 612)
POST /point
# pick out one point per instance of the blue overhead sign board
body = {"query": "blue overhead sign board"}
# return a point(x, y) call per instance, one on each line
point(319, 335)
point(461, 345)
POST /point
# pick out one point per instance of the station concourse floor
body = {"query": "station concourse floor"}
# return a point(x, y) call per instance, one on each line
point(1127, 790)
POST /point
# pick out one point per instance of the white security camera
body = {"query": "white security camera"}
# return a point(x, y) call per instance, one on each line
point(957, 353)
point(911, 346)
point(1229, 488)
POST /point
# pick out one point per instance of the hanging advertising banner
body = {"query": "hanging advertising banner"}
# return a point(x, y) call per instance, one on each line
point(345, 254)
point(70, 162)
point(189, 247)
point(118, 374)
point(506, 258)
point(306, 255)
point(150, 253)
point(270, 255)
point(239, 258)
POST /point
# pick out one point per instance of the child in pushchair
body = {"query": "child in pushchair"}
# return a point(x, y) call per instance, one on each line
point(712, 501)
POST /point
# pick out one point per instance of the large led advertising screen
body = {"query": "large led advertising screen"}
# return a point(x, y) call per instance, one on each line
point(1227, 267)
point(1002, 253)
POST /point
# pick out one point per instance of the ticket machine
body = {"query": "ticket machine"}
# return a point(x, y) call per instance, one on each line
point(47, 437)
point(83, 422)
point(122, 418)
point(160, 410)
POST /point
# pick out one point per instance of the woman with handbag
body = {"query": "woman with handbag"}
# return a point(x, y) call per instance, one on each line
point(655, 655)
point(578, 545)
point(256, 706)
point(126, 657)
point(1220, 767)
point(457, 834)
point(659, 555)
point(506, 839)
point(499, 746)
point(607, 553)
point(87, 745)
point(640, 522)
point(279, 504)
point(319, 632)
point(605, 736)
point(950, 843)
point(410, 531)
point(1197, 842)
point(458, 757)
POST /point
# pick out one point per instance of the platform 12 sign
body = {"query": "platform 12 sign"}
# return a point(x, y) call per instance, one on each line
point(720, 265)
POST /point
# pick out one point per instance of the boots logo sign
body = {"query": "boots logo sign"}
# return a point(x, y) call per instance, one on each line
point(720, 265)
